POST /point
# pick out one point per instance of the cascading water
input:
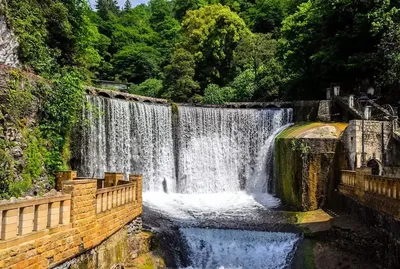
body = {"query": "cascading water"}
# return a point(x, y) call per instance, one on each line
point(209, 248)
point(128, 137)
point(207, 167)
point(226, 150)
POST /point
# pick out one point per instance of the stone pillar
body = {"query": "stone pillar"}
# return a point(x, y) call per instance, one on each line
point(40, 217)
point(111, 179)
point(62, 176)
point(9, 224)
point(54, 214)
point(138, 179)
point(26, 217)
point(360, 181)
point(83, 206)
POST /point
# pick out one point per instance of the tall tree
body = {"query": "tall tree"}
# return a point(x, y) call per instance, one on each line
point(212, 34)
point(179, 81)
point(104, 7)
point(127, 5)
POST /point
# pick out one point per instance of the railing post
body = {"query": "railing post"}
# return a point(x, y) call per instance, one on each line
point(138, 179)
point(62, 176)
point(361, 174)
point(111, 179)
point(83, 196)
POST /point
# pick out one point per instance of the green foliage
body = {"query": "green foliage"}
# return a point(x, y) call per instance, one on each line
point(212, 34)
point(214, 94)
point(179, 83)
point(137, 63)
point(60, 114)
point(244, 85)
point(150, 87)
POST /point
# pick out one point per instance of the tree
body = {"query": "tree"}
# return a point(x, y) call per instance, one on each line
point(127, 5)
point(244, 86)
point(150, 87)
point(179, 83)
point(180, 7)
point(137, 62)
point(212, 34)
point(266, 16)
point(214, 94)
point(340, 47)
point(104, 7)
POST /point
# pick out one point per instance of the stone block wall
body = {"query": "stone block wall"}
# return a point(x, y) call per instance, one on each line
point(377, 137)
point(66, 228)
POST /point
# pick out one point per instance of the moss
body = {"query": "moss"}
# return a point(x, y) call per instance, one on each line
point(309, 258)
point(148, 261)
point(175, 108)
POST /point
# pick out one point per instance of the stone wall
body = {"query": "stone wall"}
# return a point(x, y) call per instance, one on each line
point(60, 240)
point(377, 140)
point(309, 181)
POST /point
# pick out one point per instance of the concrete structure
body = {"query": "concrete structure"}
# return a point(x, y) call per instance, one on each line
point(377, 140)
point(124, 96)
point(377, 192)
point(44, 232)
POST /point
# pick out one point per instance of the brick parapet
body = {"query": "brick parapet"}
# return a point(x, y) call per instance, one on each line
point(86, 228)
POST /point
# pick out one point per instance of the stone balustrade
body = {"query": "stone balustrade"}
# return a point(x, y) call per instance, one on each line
point(45, 232)
point(22, 218)
point(377, 192)
point(348, 178)
point(112, 197)
point(385, 186)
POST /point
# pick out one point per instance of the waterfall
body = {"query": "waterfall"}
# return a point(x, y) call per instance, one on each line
point(216, 149)
point(230, 249)
point(226, 150)
point(129, 137)
point(202, 167)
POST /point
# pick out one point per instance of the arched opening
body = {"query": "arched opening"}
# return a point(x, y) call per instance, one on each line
point(134, 99)
point(376, 167)
point(104, 94)
point(119, 96)
point(243, 106)
point(256, 106)
point(271, 106)
point(159, 102)
point(147, 101)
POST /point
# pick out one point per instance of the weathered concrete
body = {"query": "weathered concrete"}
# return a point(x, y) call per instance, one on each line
point(124, 96)
point(377, 135)
point(312, 153)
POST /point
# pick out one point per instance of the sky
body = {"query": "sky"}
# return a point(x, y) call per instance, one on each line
point(122, 2)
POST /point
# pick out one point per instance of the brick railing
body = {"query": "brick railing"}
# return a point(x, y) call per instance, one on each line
point(385, 186)
point(29, 216)
point(348, 178)
point(378, 192)
point(109, 198)
point(44, 232)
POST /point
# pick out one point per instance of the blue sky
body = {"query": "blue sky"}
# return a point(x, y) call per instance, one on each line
point(122, 2)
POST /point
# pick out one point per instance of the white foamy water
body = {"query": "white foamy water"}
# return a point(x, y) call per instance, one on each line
point(197, 208)
point(227, 150)
point(217, 169)
point(233, 249)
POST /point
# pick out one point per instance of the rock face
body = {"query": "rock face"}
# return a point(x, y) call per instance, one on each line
point(8, 45)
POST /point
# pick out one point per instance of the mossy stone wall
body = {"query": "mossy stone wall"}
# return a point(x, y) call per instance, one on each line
point(305, 171)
